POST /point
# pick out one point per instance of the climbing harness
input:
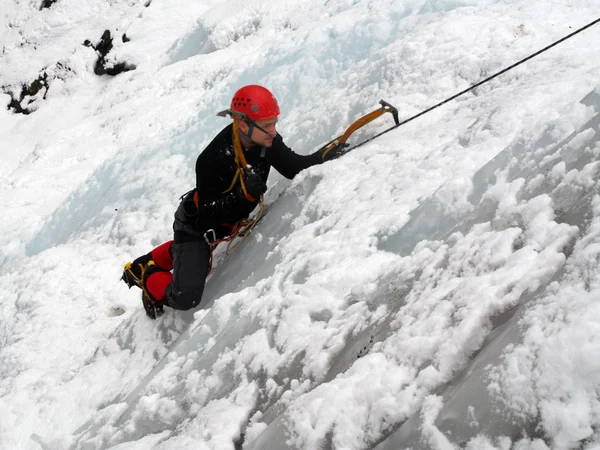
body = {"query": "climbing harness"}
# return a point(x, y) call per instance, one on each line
point(240, 230)
point(345, 150)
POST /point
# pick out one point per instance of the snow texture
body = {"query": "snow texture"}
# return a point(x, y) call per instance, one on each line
point(437, 288)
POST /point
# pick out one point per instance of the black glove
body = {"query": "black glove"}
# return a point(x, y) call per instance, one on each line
point(327, 152)
point(255, 186)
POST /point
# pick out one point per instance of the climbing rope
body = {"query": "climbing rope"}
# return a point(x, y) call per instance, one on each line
point(243, 228)
point(476, 85)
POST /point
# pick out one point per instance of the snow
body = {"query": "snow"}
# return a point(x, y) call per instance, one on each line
point(435, 288)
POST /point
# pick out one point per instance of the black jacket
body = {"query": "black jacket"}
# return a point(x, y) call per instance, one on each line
point(215, 170)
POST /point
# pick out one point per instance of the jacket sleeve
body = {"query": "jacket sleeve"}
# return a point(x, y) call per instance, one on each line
point(287, 162)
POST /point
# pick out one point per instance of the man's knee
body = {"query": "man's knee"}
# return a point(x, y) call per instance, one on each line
point(184, 300)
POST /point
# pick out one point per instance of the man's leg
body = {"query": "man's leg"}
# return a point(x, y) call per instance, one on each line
point(162, 257)
point(189, 258)
point(190, 269)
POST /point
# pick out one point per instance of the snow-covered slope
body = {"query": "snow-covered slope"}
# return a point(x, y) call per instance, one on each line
point(436, 288)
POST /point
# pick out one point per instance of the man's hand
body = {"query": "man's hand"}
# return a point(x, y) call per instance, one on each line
point(331, 151)
point(255, 186)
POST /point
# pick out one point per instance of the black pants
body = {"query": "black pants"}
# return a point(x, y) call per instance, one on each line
point(191, 259)
point(190, 269)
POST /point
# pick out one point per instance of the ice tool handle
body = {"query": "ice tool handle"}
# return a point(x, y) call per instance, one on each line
point(339, 143)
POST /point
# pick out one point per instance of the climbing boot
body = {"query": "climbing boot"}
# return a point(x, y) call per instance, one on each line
point(154, 308)
point(132, 272)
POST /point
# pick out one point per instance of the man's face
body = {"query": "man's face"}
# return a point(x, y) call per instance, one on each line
point(258, 136)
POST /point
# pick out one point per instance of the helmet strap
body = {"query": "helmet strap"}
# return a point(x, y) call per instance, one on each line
point(247, 137)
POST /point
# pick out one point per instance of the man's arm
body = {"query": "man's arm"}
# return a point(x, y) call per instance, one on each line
point(287, 162)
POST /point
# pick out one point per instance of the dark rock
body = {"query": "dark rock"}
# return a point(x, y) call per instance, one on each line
point(119, 68)
point(24, 99)
point(14, 104)
point(103, 66)
point(125, 38)
point(105, 45)
point(47, 4)
point(27, 90)
point(36, 86)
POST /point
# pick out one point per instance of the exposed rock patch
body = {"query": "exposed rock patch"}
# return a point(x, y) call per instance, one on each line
point(23, 102)
point(26, 99)
point(47, 4)
point(104, 65)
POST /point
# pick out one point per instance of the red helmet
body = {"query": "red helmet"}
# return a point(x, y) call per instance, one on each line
point(256, 102)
